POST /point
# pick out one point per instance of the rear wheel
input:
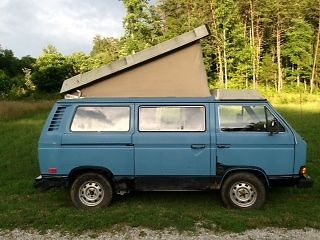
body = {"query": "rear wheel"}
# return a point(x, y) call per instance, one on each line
point(243, 190)
point(91, 190)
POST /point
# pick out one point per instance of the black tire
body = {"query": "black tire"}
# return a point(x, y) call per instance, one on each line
point(91, 190)
point(243, 190)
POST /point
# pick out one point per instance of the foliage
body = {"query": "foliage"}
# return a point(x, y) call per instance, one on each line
point(268, 71)
point(5, 84)
point(27, 86)
point(105, 50)
point(298, 50)
point(270, 44)
point(9, 63)
point(140, 28)
point(51, 69)
point(249, 37)
point(12, 72)
point(80, 62)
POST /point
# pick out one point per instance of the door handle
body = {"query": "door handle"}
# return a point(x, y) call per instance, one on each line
point(224, 146)
point(198, 146)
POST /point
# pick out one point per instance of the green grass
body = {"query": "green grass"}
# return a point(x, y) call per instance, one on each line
point(21, 206)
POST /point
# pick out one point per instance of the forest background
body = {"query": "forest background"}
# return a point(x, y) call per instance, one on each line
point(271, 45)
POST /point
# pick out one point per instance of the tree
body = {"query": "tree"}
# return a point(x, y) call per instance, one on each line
point(313, 15)
point(268, 71)
point(50, 70)
point(5, 84)
point(9, 63)
point(251, 15)
point(315, 58)
point(26, 62)
point(276, 15)
point(234, 43)
point(298, 50)
point(80, 63)
point(105, 50)
point(179, 16)
point(226, 51)
point(141, 25)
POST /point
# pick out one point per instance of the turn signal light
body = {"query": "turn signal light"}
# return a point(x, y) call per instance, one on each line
point(303, 171)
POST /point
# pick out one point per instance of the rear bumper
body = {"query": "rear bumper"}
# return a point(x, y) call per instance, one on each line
point(43, 183)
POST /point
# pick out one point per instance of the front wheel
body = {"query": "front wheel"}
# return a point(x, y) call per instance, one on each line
point(243, 190)
point(91, 190)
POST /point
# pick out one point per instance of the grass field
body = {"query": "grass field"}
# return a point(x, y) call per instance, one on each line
point(21, 206)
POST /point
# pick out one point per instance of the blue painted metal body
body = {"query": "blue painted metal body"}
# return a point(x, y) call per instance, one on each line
point(136, 153)
point(274, 154)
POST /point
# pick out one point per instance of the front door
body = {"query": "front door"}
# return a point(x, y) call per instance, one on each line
point(243, 139)
point(172, 146)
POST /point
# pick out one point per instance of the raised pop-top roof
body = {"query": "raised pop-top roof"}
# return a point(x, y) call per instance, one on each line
point(232, 94)
point(171, 68)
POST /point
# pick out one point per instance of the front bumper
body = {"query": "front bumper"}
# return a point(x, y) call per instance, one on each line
point(305, 182)
point(43, 183)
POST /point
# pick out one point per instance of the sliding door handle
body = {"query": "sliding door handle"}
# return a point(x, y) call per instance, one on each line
point(223, 146)
point(198, 146)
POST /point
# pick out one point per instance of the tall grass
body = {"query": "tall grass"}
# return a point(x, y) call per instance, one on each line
point(291, 98)
point(21, 206)
point(305, 118)
point(16, 109)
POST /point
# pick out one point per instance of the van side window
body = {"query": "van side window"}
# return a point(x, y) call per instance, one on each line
point(254, 118)
point(101, 118)
point(172, 118)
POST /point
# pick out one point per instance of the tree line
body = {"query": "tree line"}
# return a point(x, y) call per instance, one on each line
point(271, 44)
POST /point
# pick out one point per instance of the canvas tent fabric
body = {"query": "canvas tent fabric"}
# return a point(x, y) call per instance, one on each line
point(173, 68)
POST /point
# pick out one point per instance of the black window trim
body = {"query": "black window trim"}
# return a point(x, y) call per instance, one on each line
point(173, 105)
point(248, 104)
point(101, 105)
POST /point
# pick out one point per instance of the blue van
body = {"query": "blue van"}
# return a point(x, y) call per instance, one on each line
point(234, 142)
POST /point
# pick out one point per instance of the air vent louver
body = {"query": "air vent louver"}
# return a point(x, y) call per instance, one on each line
point(57, 118)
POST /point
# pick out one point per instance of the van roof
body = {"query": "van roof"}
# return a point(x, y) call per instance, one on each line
point(216, 95)
point(235, 94)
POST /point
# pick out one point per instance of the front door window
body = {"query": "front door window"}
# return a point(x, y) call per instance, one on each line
point(248, 118)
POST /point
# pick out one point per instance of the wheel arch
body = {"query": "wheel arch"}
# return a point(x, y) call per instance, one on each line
point(74, 173)
point(256, 171)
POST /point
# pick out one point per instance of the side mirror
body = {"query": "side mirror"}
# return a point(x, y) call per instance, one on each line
point(273, 126)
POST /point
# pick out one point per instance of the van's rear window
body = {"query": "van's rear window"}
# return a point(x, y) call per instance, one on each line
point(100, 118)
point(172, 118)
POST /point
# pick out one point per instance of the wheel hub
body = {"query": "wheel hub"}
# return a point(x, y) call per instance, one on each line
point(243, 194)
point(91, 193)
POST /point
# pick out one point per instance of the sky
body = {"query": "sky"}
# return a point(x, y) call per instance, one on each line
point(28, 26)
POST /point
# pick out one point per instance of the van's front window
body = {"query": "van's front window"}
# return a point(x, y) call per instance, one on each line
point(254, 118)
point(172, 118)
point(97, 119)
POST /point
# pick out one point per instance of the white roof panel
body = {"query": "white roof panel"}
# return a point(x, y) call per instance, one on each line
point(233, 94)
